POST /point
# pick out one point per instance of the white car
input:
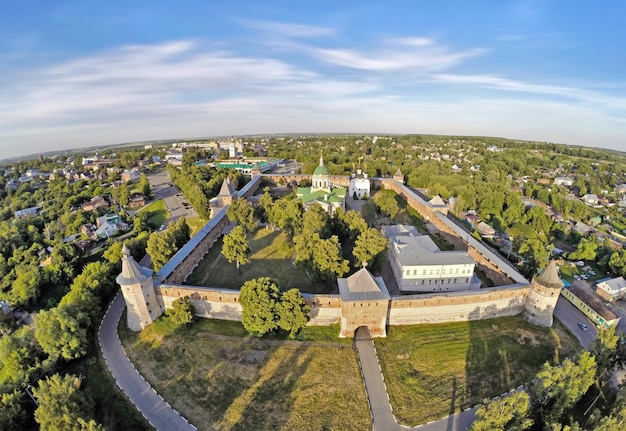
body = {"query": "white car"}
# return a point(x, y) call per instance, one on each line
point(580, 263)
point(592, 272)
point(577, 277)
point(585, 276)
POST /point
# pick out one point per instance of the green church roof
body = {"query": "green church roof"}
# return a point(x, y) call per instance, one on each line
point(321, 170)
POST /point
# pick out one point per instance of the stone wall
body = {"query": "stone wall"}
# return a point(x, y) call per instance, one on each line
point(457, 306)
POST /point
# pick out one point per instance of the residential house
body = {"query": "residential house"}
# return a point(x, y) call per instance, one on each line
point(95, 204)
point(109, 225)
point(136, 200)
point(612, 289)
point(28, 212)
point(563, 181)
point(131, 175)
point(485, 230)
point(419, 266)
point(590, 199)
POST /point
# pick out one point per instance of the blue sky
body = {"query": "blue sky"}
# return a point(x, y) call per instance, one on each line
point(83, 73)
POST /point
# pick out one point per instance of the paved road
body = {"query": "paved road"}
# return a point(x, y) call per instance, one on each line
point(376, 390)
point(570, 316)
point(163, 188)
point(159, 413)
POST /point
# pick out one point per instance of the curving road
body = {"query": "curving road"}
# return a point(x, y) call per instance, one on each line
point(158, 412)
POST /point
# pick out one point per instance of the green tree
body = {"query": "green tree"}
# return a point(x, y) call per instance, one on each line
point(144, 186)
point(369, 247)
point(315, 220)
point(236, 247)
point(182, 311)
point(124, 195)
point(62, 406)
point(557, 388)
point(181, 232)
point(586, 249)
point(604, 349)
point(27, 285)
point(12, 413)
point(20, 357)
point(506, 413)
point(293, 312)
point(386, 202)
point(162, 246)
point(62, 332)
point(258, 299)
point(355, 223)
point(242, 213)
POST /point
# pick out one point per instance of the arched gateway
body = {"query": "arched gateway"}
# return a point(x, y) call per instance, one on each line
point(364, 302)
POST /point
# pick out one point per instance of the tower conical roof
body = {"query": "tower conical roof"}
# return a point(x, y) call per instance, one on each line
point(549, 277)
point(132, 272)
point(227, 188)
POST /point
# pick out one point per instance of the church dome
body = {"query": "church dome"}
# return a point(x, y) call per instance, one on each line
point(321, 170)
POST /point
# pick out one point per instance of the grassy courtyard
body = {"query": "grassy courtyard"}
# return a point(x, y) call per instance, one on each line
point(220, 379)
point(434, 370)
point(270, 256)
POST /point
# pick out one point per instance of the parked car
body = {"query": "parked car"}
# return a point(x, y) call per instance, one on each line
point(577, 277)
point(580, 263)
point(585, 276)
point(582, 326)
point(592, 272)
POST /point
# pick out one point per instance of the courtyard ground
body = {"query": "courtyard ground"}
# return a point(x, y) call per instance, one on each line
point(270, 255)
point(432, 371)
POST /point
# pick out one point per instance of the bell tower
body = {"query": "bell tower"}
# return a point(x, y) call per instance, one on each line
point(541, 300)
point(138, 290)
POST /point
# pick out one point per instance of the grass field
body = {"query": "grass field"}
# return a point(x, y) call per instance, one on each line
point(241, 383)
point(270, 256)
point(158, 213)
point(434, 370)
point(195, 223)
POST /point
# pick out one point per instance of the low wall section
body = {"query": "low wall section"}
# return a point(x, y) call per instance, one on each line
point(457, 306)
point(216, 303)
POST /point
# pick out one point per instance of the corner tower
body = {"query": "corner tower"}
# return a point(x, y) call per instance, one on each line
point(541, 300)
point(138, 290)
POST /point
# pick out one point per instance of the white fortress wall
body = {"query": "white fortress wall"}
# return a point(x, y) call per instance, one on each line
point(210, 303)
point(457, 306)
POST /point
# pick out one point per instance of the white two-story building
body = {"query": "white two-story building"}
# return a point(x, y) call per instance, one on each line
point(419, 266)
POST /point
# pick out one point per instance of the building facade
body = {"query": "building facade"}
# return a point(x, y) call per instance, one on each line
point(322, 192)
point(419, 266)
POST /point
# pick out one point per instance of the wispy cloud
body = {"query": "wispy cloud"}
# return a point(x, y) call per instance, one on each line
point(289, 29)
point(416, 54)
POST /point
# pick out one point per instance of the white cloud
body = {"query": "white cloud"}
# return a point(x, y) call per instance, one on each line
point(186, 88)
point(414, 54)
point(289, 29)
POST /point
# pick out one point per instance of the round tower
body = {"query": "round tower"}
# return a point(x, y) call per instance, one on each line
point(138, 290)
point(541, 300)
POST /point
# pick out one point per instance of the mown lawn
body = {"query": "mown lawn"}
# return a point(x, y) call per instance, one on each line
point(270, 256)
point(195, 223)
point(219, 378)
point(158, 213)
point(432, 371)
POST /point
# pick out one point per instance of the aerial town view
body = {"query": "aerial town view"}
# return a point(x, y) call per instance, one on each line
point(327, 216)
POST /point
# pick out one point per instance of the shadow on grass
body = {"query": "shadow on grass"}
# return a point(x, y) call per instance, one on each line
point(507, 352)
point(272, 401)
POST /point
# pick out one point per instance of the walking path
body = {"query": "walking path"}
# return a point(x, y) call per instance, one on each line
point(380, 406)
point(156, 410)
